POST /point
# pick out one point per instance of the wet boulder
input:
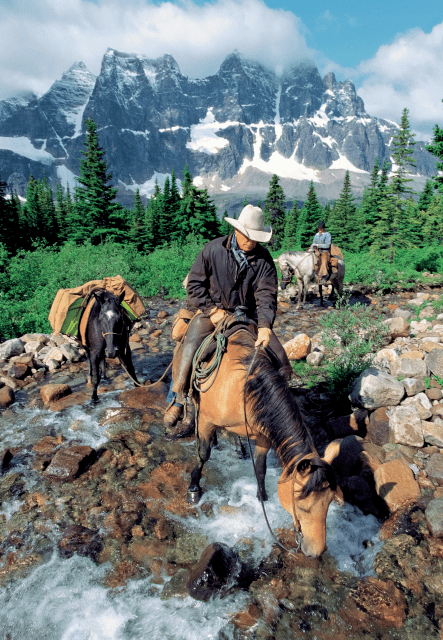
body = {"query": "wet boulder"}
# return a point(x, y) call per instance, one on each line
point(217, 571)
point(81, 540)
point(374, 389)
point(434, 517)
point(53, 392)
point(153, 397)
point(381, 600)
point(7, 397)
point(69, 462)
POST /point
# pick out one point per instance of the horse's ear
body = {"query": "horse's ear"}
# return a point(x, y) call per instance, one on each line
point(121, 297)
point(304, 467)
point(98, 295)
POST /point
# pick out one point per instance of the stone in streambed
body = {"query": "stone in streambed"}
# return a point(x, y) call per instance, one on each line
point(78, 397)
point(413, 386)
point(374, 388)
point(395, 484)
point(14, 347)
point(354, 424)
point(81, 540)
point(433, 432)
point(53, 392)
point(153, 397)
point(397, 327)
point(378, 429)
point(215, 572)
point(69, 462)
point(381, 600)
point(7, 397)
point(421, 403)
point(409, 368)
point(434, 361)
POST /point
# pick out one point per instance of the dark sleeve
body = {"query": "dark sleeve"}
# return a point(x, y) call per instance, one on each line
point(198, 282)
point(266, 294)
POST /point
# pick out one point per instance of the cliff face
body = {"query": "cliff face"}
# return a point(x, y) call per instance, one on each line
point(233, 129)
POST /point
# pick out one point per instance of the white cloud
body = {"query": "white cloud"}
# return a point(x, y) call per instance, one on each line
point(407, 73)
point(43, 38)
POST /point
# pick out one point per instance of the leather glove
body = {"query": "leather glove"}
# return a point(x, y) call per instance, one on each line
point(263, 337)
point(216, 316)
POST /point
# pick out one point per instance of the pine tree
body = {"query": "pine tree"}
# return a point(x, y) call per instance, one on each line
point(245, 201)
point(60, 212)
point(327, 213)
point(137, 221)
point(436, 148)
point(426, 196)
point(175, 202)
point(290, 237)
point(100, 217)
point(9, 221)
point(342, 223)
point(302, 234)
point(275, 211)
point(31, 214)
point(314, 213)
point(49, 229)
point(225, 228)
point(433, 227)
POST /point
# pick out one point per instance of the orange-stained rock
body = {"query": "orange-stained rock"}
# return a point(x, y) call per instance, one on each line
point(123, 572)
point(156, 333)
point(53, 392)
point(380, 599)
point(78, 397)
point(7, 397)
point(115, 415)
point(144, 552)
point(135, 338)
point(299, 347)
point(395, 483)
point(152, 397)
point(162, 314)
point(429, 345)
point(47, 444)
point(246, 619)
point(69, 462)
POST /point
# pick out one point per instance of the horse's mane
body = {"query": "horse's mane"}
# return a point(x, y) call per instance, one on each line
point(277, 416)
point(287, 255)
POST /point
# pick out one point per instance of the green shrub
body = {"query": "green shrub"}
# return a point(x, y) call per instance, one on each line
point(357, 331)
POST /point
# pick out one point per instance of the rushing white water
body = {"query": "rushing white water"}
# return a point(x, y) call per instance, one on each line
point(67, 599)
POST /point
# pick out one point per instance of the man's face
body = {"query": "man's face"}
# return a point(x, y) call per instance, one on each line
point(244, 243)
point(322, 230)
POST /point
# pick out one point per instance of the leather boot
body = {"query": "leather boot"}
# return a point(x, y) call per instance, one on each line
point(186, 428)
point(199, 328)
point(172, 416)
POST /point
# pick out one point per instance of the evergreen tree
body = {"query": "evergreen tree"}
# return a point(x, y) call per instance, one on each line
point(433, 226)
point(302, 236)
point(245, 201)
point(99, 215)
point(327, 213)
point(426, 196)
point(275, 211)
point(309, 224)
point(290, 237)
point(10, 235)
point(342, 223)
point(166, 213)
point(150, 226)
point(436, 148)
point(175, 203)
point(137, 221)
point(31, 214)
point(60, 212)
point(49, 228)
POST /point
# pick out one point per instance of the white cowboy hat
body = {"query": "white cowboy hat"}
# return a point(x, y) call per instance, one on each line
point(251, 224)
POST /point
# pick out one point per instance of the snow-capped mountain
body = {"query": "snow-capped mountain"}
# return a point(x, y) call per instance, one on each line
point(233, 129)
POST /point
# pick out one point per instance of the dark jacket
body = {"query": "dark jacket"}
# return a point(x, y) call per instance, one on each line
point(215, 281)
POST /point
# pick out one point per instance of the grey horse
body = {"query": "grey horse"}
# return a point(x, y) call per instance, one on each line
point(303, 265)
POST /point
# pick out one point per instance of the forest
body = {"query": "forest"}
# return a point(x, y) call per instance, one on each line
point(62, 240)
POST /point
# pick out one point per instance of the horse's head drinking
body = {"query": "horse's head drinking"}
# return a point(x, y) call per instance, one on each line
point(287, 273)
point(111, 321)
point(306, 493)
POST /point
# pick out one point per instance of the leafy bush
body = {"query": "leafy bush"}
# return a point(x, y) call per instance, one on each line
point(357, 331)
point(30, 280)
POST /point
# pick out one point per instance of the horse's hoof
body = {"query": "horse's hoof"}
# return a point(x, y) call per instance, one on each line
point(264, 497)
point(94, 400)
point(193, 496)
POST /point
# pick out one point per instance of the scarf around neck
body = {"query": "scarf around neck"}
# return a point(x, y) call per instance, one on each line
point(239, 255)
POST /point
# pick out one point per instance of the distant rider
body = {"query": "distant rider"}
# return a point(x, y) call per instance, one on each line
point(322, 241)
point(230, 272)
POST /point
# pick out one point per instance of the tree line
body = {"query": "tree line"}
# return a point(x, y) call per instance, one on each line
point(387, 220)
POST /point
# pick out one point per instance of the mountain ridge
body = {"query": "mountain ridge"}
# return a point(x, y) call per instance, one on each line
point(234, 129)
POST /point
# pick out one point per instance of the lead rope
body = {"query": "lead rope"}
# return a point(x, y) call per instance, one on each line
point(300, 536)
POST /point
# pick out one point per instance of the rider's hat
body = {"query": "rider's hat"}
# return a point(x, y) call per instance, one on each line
point(251, 224)
point(321, 224)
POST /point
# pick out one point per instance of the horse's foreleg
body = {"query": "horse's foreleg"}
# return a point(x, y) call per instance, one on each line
point(320, 290)
point(204, 446)
point(305, 291)
point(300, 292)
point(94, 364)
point(261, 451)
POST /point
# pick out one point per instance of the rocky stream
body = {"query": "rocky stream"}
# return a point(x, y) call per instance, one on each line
point(97, 541)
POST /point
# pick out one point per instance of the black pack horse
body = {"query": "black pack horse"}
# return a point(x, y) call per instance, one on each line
point(107, 336)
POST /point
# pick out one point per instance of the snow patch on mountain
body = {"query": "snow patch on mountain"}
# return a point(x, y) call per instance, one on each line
point(147, 188)
point(66, 177)
point(204, 136)
point(343, 163)
point(24, 147)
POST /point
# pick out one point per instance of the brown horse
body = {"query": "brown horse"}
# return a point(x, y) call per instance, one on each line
point(307, 484)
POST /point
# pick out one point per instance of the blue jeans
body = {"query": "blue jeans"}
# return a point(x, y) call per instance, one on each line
point(171, 395)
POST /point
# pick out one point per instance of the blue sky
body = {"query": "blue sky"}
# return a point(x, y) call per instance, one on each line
point(392, 52)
